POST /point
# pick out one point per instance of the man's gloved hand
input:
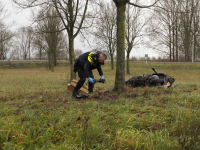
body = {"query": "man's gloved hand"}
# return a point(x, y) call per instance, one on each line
point(91, 80)
point(102, 78)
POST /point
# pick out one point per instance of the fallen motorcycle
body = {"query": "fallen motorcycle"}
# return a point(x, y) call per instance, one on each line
point(154, 79)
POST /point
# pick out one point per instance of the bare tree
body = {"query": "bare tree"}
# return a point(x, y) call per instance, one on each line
point(73, 15)
point(105, 30)
point(38, 43)
point(186, 25)
point(15, 53)
point(5, 41)
point(30, 40)
point(177, 28)
point(62, 52)
point(5, 34)
point(134, 25)
point(72, 21)
point(163, 28)
point(24, 38)
point(190, 27)
point(47, 26)
point(120, 65)
point(196, 29)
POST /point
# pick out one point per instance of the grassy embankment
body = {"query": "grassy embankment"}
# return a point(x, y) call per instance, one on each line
point(37, 112)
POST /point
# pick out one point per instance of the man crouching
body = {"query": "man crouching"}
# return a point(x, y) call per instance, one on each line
point(84, 65)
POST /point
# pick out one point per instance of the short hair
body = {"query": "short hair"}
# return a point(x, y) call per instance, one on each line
point(104, 55)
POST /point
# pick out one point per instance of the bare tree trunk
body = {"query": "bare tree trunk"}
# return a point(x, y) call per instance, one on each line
point(25, 56)
point(40, 53)
point(187, 45)
point(120, 64)
point(194, 32)
point(170, 41)
point(29, 49)
point(55, 60)
point(176, 41)
point(52, 62)
point(71, 40)
point(128, 63)
point(71, 56)
point(173, 42)
point(112, 62)
point(194, 54)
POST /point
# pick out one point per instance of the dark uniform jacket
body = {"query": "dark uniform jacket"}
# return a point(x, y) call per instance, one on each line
point(89, 61)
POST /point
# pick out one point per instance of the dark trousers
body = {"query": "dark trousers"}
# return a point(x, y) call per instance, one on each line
point(83, 77)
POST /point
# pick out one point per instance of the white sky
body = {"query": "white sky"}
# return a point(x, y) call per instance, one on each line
point(19, 17)
point(22, 18)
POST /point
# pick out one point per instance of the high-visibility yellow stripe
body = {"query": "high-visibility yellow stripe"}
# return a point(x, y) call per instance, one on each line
point(90, 57)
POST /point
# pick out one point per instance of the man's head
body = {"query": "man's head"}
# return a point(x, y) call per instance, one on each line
point(102, 58)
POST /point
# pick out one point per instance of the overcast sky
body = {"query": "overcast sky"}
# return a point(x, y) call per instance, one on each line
point(19, 17)
point(22, 18)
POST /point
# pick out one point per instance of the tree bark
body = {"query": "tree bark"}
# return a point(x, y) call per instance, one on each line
point(112, 62)
point(170, 41)
point(71, 56)
point(187, 45)
point(173, 42)
point(120, 64)
point(128, 63)
point(55, 60)
point(176, 41)
point(52, 62)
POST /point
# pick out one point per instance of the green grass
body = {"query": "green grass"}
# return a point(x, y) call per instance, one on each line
point(26, 65)
point(37, 112)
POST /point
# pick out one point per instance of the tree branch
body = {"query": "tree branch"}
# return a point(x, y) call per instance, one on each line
point(142, 6)
point(82, 19)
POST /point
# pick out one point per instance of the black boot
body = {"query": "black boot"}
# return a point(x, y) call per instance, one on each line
point(90, 92)
point(75, 94)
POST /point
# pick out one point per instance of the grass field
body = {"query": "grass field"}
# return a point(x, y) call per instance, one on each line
point(38, 113)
